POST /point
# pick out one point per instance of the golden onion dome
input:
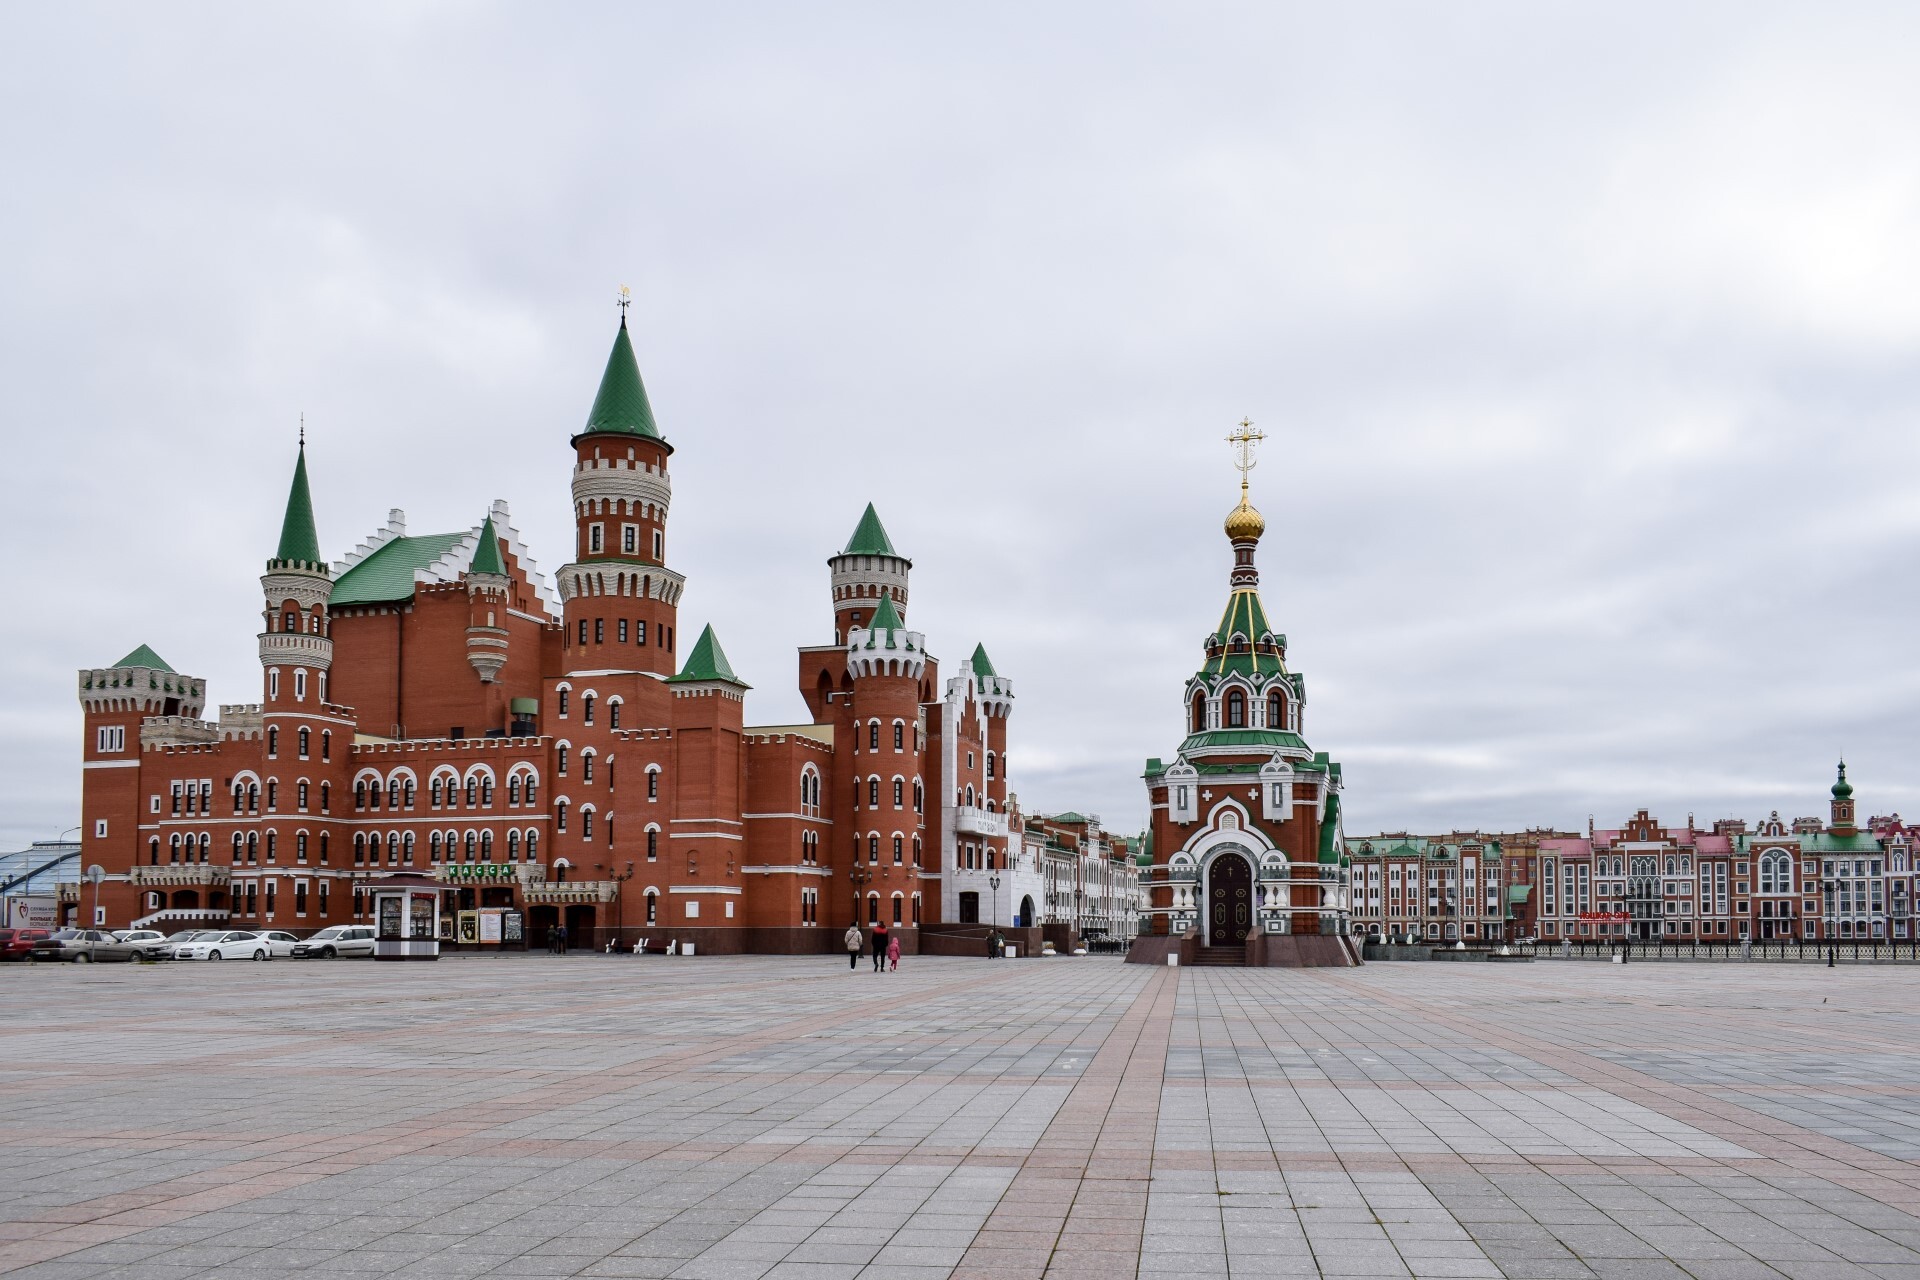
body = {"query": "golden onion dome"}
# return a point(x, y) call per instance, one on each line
point(1243, 522)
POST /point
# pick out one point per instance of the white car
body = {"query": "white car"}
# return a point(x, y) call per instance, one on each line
point(337, 940)
point(235, 944)
point(279, 942)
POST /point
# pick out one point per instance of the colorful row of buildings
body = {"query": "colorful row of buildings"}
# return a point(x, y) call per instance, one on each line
point(1806, 879)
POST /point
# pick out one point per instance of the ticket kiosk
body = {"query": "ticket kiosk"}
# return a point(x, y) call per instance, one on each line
point(406, 915)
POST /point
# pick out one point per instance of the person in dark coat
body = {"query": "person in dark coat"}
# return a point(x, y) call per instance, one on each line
point(879, 946)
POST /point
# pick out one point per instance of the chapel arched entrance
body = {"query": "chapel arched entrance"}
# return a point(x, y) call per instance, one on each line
point(1229, 900)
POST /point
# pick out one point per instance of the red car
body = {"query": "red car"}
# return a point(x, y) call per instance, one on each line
point(15, 944)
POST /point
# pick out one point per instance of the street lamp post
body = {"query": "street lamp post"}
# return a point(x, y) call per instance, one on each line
point(859, 876)
point(619, 898)
point(993, 909)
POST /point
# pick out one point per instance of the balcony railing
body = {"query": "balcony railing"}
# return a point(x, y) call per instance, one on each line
point(975, 821)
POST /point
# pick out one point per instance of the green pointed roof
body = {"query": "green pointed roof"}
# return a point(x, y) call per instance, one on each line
point(486, 557)
point(870, 537)
point(886, 617)
point(620, 407)
point(707, 662)
point(299, 539)
point(982, 665)
point(145, 657)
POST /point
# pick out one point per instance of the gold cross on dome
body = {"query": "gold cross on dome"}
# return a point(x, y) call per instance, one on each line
point(1243, 439)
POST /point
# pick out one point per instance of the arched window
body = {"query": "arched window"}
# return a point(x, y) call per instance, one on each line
point(560, 816)
point(586, 823)
point(486, 846)
point(273, 742)
point(300, 846)
point(919, 797)
point(1276, 711)
point(433, 847)
point(563, 703)
point(236, 846)
point(533, 789)
point(513, 846)
point(991, 762)
point(273, 794)
point(873, 908)
point(173, 848)
point(300, 794)
point(560, 760)
point(613, 714)
point(899, 735)
point(408, 789)
point(359, 793)
point(406, 849)
point(916, 856)
point(153, 851)
point(653, 907)
point(873, 736)
point(653, 844)
point(873, 793)
point(435, 792)
point(513, 791)
point(586, 708)
point(306, 739)
point(586, 765)
point(899, 848)
point(873, 848)
point(899, 901)
point(1236, 709)
point(326, 742)
point(486, 792)
point(359, 850)
point(1199, 717)
point(533, 846)
point(900, 791)
point(473, 792)
point(467, 849)
point(393, 793)
point(653, 782)
point(253, 847)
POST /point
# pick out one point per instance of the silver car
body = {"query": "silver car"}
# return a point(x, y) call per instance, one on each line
point(337, 940)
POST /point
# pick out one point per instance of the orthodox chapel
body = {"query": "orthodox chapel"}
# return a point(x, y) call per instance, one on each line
point(431, 705)
point(1249, 863)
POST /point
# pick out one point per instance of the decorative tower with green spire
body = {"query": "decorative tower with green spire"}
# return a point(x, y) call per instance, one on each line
point(866, 571)
point(621, 496)
point(488, 589)
point(1843, 823)
point(296, 647)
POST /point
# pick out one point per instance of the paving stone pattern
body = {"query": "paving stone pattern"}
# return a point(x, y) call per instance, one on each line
point(740, 1118)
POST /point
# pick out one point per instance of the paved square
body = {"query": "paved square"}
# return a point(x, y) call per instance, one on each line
point(732, 1119)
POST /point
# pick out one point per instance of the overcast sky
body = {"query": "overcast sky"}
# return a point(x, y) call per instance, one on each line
point(1585, 338)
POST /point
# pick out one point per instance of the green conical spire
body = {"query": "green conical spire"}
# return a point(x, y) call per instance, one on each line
point(870, 538)
point(486, 556)
point(299, 540)
point(982, 665)
point(886, 617)
point(144, 657)
point(708, 662)
point(621, 405)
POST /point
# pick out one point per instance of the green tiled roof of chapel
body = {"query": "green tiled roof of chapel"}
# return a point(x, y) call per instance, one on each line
point(620, 407)
point(870, 537)
point(1250, 739)
point(387, 574)
point(707, 661)
point(145, 657)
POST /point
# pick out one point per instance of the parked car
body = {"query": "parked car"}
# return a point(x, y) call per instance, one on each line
point(232, 944)
point(167, 946)
point(337, 940)
point(16, 943)
point(82, 946)
point(141, 940)
point(279, 942)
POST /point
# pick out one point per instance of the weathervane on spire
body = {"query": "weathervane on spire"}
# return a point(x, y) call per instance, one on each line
point(1243, 439)
point(626, 300)
point(303, 428)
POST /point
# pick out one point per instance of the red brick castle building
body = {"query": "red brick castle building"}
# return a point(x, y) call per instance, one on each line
point(429, 707)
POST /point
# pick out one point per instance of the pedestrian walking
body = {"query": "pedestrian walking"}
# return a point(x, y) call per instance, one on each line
point(893, 953)
point(879, 944)
point(854, 946)
point(560, 939)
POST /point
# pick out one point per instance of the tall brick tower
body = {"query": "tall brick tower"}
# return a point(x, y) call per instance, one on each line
point(619, 600)
point(886, 662)
point(296, 647)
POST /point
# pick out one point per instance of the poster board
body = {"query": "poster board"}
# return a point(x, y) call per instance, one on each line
point(469, 927)
point(513, 929)
point(490, 926)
